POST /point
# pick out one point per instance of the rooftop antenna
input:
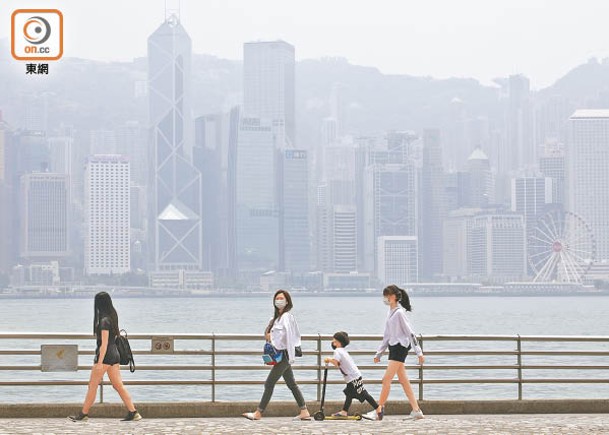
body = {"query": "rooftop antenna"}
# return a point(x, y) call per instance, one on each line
point(172, 11)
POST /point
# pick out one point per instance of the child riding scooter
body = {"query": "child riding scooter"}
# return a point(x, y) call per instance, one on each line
point(353, 377)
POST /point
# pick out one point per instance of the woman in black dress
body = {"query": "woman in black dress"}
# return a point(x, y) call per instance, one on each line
point(107, 359)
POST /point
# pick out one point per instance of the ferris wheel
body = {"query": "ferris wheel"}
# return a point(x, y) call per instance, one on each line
point(561, 247)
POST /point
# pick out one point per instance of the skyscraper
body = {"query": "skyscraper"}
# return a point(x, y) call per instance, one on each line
point(475, 186)
point(44, 216)
point(398, 260)
point(60, 148)
point(295, 241)
point(26, 152)
point(207, 159)
point(176, 208)
point(552, 165)
point(257, 197)
point(131, 142)
point(392, 208)
point(107, 222)
point(434, 207)
point(484, 245)
point(588, 160)
point(519, 150)
point(455, 248)
point(395, 200)
point(496, 247)
point(215, 157)
point(269, 87)
point(322, 230)
point(343, 239)
point(530, 198)
point(552, 119)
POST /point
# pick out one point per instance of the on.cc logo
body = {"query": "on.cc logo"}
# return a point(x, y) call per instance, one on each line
point(37, 30)
point(37, 34)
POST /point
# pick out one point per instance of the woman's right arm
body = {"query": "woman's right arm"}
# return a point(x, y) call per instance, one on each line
point(105, 336)
point(267, 330)
point(105, 327)
point(412, 337)
point(382, 347)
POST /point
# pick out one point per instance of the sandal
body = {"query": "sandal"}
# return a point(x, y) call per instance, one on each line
point(299, 418)
point(250, 416)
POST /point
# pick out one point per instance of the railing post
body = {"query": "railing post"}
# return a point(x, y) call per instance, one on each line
point(421, 370)
point(319, 367)
point(213, 367)
point(101, 391)
point(519, 349)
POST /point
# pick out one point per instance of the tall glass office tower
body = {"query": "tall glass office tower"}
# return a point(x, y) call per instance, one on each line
point(176, 208)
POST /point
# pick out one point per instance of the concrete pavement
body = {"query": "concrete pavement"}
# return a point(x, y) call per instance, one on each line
point(433, 424)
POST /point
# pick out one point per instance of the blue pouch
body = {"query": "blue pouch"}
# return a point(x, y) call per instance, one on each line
point(271, 355)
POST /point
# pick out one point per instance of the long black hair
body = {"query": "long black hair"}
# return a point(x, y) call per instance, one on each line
point(400, 295)
point(287, 308)
point(103, 308)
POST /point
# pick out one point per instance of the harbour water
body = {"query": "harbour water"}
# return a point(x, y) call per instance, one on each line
point(583, 315)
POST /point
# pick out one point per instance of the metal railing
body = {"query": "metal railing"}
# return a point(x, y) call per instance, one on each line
point(217, 359)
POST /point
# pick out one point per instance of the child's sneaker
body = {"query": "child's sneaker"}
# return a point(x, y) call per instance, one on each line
point(416, 415)
point(132, 416)
point(372, 415)
point(79, 417)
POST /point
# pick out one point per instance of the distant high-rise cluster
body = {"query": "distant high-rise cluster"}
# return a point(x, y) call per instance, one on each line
point(293, 179)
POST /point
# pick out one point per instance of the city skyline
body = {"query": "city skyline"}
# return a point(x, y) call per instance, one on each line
point(266, 188)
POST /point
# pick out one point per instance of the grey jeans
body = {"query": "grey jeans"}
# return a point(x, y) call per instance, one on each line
point(282, 369)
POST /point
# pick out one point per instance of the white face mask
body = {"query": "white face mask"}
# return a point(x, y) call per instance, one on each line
point(386, 301)
point(280, 303)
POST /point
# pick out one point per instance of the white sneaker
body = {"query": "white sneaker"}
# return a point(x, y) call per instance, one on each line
point(372, 415)
point(417, 415)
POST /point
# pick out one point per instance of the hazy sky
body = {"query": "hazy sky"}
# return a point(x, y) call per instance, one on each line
point(542, 39)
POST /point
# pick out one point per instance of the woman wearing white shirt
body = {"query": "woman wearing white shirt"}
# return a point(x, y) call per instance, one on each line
point(400, 338)
point(282, 332)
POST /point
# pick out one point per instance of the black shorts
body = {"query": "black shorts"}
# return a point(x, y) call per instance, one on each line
point(398, 352)
point(112, 356)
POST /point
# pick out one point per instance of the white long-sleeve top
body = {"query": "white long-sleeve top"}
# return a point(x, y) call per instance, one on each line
point(398, 330)
point(285, 334)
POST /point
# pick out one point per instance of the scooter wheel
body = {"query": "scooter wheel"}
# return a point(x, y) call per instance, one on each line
point(319, 416)
point(358, 417)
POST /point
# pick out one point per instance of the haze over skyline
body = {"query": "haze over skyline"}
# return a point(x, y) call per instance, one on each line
point(472, 38)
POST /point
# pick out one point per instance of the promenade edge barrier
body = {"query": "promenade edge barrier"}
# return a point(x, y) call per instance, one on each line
point(515, 359)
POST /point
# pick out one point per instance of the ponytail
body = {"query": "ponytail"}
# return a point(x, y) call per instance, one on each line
point(405, 300)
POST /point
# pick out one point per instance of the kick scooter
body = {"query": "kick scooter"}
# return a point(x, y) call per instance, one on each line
point(320, 416)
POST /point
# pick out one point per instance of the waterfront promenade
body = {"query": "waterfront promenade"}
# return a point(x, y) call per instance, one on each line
point(433, 424)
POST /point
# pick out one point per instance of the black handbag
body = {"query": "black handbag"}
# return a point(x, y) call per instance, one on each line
point(298, 351)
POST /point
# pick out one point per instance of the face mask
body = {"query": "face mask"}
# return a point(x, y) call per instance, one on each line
point(280, 303)
point(333, 346)
point(386, 301)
